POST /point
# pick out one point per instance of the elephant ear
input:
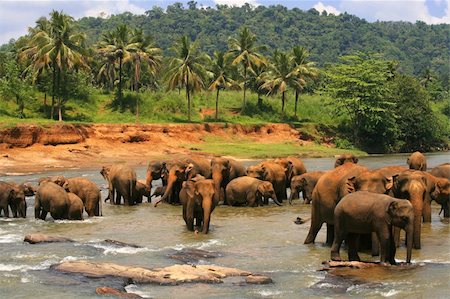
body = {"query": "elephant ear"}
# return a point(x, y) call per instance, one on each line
point(388, 183)
point(392, 208)
point(351, 184)
point(66, 186)
point(289, 169)
point(263, 172)
point(355, 160)
point(190, 188)
point(304, 182)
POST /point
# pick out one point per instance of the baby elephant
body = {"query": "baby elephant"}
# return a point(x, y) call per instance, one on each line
point(142, 190)
point(52, 198)
point(75, 207)
point(250, 191)
point(304, 183)
point(363, 212)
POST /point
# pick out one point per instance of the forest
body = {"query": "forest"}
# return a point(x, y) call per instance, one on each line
point(381, 87)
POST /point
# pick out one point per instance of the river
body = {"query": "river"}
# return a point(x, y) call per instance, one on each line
point(263, 240)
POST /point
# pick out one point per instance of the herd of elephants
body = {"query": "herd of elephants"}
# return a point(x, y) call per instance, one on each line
point(365, 207)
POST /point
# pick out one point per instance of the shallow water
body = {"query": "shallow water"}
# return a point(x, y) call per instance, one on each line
point(263, 240)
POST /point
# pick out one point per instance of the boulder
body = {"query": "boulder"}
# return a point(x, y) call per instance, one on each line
point(258, 279)
point(172, 275)
point(41, 238)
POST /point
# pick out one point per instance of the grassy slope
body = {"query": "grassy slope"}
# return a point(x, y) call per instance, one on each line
point(170, 107)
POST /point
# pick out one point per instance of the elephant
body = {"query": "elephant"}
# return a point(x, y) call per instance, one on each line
point(412, 185)
point(142, 190)
point(223, 171)
point(121, 180)
point(390, 171)
point(441, 171)
point(271, 172)
point(364, 212)
point(75, 207)
point(438, 190)
point(371, 180)
point(294, 166)
point(52, 198)
point(7, 195)
point(156, 170)
point(417, 161)
point(18, 203)
point(57, 179)
point(197, 197)
point(345, 158)
point(441, 194)
point(181, 170)
point(159, 191)
point(88, 192)
point(330, 188)
point(304, 183)
point(250, 191)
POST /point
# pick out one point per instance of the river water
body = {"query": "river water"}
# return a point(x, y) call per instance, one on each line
point(263, 240)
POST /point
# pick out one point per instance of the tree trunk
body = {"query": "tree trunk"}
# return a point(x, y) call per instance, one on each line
point(52, 110)
point(282, 102)
point(245, 86)
point(217, 104)
point(59, 100)
point(120, 83)
point(189, 103)
point(296, 101)
point(137, 75)
point(259, 101)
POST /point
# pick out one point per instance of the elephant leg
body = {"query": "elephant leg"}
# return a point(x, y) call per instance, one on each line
point(376, 245)
point(353, 244)
point(316, 224)
point(43, 215)
point(37, 207)
point(392, 249)
point(339, 236)
point(313, 231)
point(426, 211)
point(330, 234)
point(446, 208)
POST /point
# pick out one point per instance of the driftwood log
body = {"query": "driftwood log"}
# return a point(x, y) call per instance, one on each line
point(172, 275)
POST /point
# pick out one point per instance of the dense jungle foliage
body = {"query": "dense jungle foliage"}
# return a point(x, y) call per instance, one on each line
point(381, 87)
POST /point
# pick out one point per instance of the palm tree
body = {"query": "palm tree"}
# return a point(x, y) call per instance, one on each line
point(118, 44)
point(256, 80)
point(279, 76)
point(427, 77)
point(108, 68)
point(245, 53)
point(55, 44)
point(186, 69)
point(144, 51)
point(221, 69)
point(305, 71)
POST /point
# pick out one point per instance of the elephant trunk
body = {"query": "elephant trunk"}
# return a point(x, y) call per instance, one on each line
point(217, 178)
point(416, 199)
point(172, 179)
point(207, 210)
point(409, 240)
point(292, 195)
point(275, 200)
point(149, 179)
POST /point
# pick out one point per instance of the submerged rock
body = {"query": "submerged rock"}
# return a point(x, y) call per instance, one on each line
point(41, 238)
point(172, 275)
point(115, 292)
point(192, 255)
point(258, 279)
point(121, 244)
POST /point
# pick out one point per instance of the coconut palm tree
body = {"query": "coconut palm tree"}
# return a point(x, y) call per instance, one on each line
point(143, 52)
point(305, 71)
point(118, 44)
point(57, 45)
point(221, 70)
point(280, 76)
point(107, 70)
point(186, 69)
point(245, 52)
point(256, 80)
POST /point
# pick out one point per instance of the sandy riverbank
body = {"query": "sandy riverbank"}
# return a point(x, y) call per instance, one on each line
point(31, 148)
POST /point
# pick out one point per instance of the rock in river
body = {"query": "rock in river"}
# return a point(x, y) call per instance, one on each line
point(41, 238)
point(172, 275)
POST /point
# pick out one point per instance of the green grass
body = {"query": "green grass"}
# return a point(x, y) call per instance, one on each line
point(243, 148)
